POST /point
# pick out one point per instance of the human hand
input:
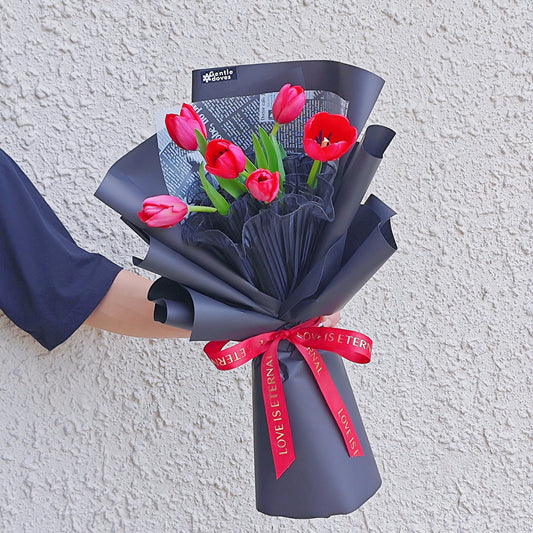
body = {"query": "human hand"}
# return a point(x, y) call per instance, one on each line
point(330, 321)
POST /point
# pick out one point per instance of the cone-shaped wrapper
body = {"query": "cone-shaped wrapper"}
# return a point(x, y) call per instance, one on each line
point(323, 480)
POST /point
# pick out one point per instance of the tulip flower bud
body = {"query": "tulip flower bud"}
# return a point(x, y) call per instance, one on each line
point(288, 104)
point(224, 159)
point(263, 185)
point(163, 211)
point(181, 127)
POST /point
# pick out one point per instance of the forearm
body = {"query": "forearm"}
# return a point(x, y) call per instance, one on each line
point(125, 309)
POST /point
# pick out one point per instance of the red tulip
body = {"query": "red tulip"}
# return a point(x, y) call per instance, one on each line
point(328, 137)
point(224, 159)
point(181, 127)
point(163, 211)
point(263, 184)
point(288, 104)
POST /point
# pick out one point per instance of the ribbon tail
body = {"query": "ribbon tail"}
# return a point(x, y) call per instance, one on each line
point(277, 415)
point(333, 399)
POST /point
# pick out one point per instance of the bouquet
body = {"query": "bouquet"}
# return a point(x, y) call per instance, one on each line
point(250, 200)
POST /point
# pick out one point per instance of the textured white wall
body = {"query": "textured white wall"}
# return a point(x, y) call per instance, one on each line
point(114, 434)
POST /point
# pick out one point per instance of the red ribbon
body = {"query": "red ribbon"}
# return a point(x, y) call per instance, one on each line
point(307, 338)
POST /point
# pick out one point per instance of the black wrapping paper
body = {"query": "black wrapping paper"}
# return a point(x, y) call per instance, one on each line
point(199, 290)
point(358, 86)
point(323, 480)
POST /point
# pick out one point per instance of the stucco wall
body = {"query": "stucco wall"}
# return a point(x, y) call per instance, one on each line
point(115, 434)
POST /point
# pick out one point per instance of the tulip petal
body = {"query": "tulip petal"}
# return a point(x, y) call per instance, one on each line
point(143, 216)
point(181, 127)
point(163, 211)
point(164, 219)
point(277, 107)
point(189, 112)
point(163, 200)
point(224, 159)
point(151, 210)
point(288, 104)
point(336, 129)
point(263, 184)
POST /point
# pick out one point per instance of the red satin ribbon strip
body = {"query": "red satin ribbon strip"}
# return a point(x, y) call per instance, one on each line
point(307, 338)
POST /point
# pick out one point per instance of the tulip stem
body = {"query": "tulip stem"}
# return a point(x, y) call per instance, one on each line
point(203, 209)
point(311, 180)
point(275, 129)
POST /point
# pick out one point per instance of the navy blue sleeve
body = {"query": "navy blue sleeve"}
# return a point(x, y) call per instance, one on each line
point(48, 284)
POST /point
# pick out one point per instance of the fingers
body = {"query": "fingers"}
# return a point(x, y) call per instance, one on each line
point(330, 321)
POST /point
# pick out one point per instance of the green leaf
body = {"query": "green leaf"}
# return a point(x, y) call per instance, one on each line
point(282, 150)
point(233, 187)
point(216, 198)
point(260, 158)
point(202, 142)
point(250, 167)
point(277, 148)
point(270, 151)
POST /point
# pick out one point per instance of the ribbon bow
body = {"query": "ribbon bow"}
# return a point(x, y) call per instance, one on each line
point(307, 338)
